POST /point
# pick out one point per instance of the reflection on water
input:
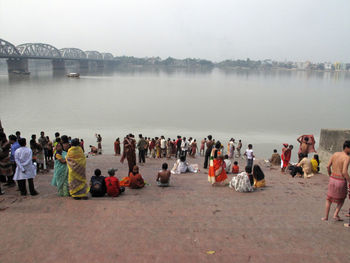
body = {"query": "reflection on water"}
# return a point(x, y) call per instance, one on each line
point(265, 108)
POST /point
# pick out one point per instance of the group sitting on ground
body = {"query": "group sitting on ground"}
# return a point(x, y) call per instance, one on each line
point(248, 181)
point(305, 168)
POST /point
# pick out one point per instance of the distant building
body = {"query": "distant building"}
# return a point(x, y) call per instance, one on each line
point(267, 62)
point(303, 65)
point(339, 66)
point(327, 65)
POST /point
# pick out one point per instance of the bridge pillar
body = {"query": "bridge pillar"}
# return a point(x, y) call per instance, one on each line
point(83, 64)
point(58, 64)
point(109, 64)
point(17, 64)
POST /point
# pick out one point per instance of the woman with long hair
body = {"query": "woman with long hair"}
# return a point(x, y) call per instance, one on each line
point(258, 176)
point(315, 163)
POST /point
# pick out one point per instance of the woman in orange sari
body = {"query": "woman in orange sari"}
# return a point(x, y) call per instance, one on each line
point(217, 174)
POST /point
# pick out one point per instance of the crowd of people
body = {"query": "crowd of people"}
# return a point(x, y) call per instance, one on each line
point(305, 167)
point(160, 147)
point(20, 163)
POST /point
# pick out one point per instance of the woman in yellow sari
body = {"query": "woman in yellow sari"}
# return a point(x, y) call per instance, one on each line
point(76, 161)
point(217, 174)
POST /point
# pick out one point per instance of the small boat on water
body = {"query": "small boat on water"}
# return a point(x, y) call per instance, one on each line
point(18, 72)
point(73, 75)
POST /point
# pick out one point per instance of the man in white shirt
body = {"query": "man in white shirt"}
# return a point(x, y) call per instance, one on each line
point(184, 147)
point(163, 146)
point(25, 170)
point(250, 155)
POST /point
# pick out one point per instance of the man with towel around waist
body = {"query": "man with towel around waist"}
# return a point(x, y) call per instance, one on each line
point(338, 178)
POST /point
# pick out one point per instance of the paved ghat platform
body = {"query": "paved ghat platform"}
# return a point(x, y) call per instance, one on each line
point(182, 223)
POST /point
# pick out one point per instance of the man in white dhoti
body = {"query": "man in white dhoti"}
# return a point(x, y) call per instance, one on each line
point(181, 166)
point(25, 170)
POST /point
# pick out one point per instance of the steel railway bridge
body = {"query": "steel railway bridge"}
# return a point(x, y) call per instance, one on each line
point(17, 56)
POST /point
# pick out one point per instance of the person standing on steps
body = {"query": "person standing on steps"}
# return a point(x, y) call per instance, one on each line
point(210, 144)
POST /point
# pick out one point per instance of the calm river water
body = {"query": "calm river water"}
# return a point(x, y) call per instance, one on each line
point(262, 108)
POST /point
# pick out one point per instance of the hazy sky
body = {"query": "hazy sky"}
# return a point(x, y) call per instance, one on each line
point(316, 30)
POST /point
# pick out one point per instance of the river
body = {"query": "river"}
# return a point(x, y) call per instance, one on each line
point(262, 108)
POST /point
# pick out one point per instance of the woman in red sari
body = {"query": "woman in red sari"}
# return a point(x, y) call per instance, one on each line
point(217, 174)
point(129, 152)
point(285, 157)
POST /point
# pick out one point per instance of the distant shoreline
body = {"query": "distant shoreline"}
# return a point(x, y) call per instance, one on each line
point(125, 62)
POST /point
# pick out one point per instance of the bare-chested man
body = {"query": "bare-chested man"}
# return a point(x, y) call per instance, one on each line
point(93, 150)
point(238, 149)
point(307, 143)
point(163, 177)
point(203, 142)
point(338, 177)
